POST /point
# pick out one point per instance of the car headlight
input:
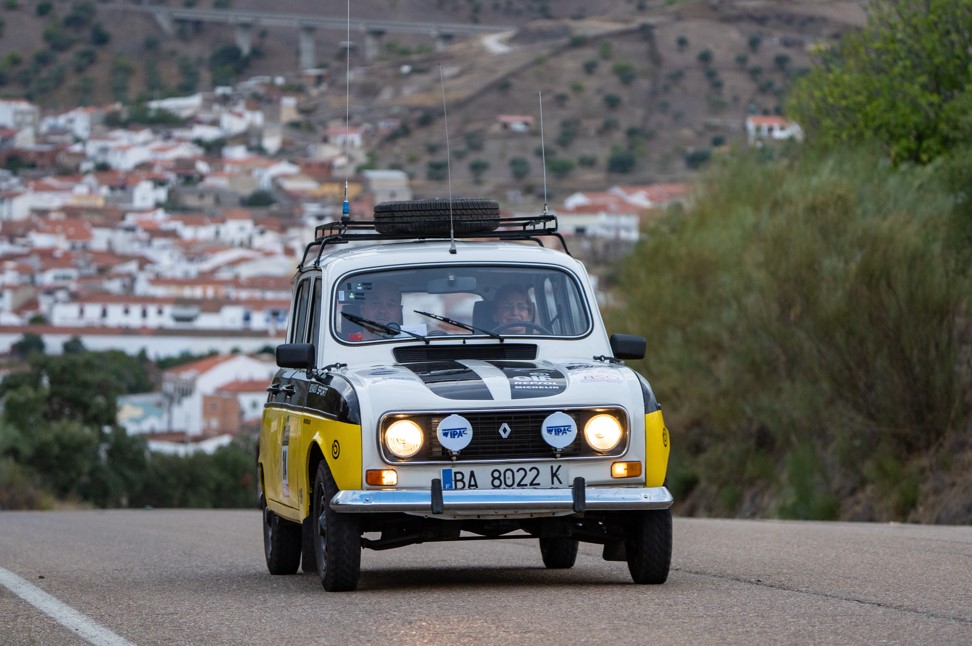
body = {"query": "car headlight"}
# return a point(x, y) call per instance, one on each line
point(603, 432)
point(404, 438)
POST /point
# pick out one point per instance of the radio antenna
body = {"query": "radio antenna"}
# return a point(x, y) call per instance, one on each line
point(445, 116)
point(346, 207)
point(543, 155)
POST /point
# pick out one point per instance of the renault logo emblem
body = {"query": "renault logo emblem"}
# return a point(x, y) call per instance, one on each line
point(505, 430)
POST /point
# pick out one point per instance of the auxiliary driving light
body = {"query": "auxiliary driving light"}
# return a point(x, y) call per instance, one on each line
point(603, 432)
point(403, 438)
point(381, 477)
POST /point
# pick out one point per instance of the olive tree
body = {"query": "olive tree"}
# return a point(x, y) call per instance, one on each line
point(902, 81)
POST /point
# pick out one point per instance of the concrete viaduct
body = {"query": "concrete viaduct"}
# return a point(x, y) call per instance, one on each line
point(307, 26)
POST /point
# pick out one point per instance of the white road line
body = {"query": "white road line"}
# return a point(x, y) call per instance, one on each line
point(60, 612)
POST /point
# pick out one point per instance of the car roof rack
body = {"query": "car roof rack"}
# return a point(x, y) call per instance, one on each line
point(526, 227)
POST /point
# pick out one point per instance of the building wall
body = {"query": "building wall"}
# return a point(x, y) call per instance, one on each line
point(220, 414)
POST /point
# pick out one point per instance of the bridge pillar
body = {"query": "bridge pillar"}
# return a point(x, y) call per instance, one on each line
point(244, 38)
point(373, 38)
point(443, 40)
point(306, 56)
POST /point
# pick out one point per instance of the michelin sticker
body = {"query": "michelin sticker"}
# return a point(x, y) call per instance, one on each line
point(527, 381)
point(454, 432)
point(559, 430)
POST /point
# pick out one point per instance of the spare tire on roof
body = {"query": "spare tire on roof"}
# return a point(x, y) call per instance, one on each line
point(431, 217)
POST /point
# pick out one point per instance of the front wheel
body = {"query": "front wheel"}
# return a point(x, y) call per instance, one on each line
point(281, 542)
point(648, 543)
point(337, 537)
point(559, 552)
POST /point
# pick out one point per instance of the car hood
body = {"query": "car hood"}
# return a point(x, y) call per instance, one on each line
point(441, 385)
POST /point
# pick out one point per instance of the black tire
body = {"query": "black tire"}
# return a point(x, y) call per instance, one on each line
point(281, 542)
point(559, 553)
point(648, 542)
point(337, 537)
point(308, 553)
point(431, 217)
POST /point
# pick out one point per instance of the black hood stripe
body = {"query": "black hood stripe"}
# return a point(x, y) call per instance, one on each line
point(453, 380)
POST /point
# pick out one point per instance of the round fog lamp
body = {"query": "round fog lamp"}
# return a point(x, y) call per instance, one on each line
point(403, 438)
point(602, 432)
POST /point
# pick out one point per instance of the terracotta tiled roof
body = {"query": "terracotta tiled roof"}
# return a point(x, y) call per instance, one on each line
point(767, 120)
point(235, 387)
point(200, 366)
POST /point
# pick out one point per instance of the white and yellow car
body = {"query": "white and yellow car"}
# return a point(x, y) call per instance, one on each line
point(446, 376)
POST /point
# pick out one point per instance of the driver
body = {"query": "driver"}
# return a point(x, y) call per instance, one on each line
point(382, 304)
point(511, 304)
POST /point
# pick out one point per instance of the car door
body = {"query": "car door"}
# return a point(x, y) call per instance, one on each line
point(282, 419)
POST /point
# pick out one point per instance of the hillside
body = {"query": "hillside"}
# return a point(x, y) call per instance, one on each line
point(648, 89)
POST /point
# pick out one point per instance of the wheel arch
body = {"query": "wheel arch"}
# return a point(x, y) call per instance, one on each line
point(314, 457)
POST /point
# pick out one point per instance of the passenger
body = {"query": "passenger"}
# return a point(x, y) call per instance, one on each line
point(511, 304)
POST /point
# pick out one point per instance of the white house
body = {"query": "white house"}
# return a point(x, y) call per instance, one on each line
point(600, 214)
point(341, 135)
point(187, 385)
point(773, 128)
point(18, 114)
point(78, 121)
point(387, 185)
point(15, 204)
point(182, 106)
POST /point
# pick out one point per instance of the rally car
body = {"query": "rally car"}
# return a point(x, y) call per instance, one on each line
point(447, 376)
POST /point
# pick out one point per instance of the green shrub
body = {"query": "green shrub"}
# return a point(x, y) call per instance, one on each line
point(20, 488)
point(807, 311)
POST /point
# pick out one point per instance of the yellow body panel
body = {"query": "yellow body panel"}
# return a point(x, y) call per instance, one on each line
point(341, 445)
point(285, 447)
point(657, 447)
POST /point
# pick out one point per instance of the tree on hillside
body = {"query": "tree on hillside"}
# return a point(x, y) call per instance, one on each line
point(519, 167)
point(904, 80)
point(477, 167)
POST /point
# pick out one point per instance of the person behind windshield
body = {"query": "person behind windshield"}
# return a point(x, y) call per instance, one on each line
point(383, 304)
point(511, 304)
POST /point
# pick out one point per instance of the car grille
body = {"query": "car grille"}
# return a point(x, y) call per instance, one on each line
point(524, 441)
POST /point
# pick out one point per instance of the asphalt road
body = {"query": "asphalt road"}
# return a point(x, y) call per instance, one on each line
point(198, 577)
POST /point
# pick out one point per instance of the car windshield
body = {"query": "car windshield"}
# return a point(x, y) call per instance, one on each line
point(490, 301)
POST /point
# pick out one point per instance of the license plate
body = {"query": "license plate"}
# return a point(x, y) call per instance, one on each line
point(524, 476)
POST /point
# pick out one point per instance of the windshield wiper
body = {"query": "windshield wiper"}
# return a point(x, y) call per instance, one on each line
point(376, 327)
point(465, 326)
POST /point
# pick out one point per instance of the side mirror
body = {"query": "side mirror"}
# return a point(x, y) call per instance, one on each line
point(628, 346)
point(296, 355)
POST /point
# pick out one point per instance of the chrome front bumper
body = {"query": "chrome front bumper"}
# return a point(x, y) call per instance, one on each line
point(501, 503)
